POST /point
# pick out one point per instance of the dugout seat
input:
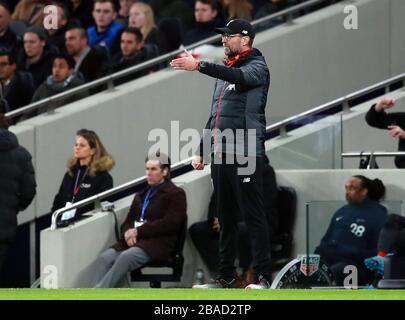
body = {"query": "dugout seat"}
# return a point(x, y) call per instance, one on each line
point(174, 263)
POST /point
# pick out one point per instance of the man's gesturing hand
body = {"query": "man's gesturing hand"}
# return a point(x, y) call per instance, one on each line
point(188, 62)
point(198, 163)
point(384, 103)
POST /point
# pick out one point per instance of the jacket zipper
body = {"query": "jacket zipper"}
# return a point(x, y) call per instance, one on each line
point(217, 116)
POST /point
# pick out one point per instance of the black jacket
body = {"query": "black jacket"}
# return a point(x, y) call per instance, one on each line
point(51, 87)
point(18, 92)
point(239, 102)
point(94, 65)
point(17, 183)
point(382, 120)
point(89, 185)
point(39, 70)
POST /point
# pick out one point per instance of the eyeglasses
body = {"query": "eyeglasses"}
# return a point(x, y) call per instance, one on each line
point(229, 36)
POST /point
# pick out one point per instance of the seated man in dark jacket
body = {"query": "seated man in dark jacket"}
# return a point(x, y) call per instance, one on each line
point(62, 79)
point(133, 52)
point(90, 62)
point(393, 122)
point(17, 184)
point(353, 232)
point(37, 55)
point(18, 86)
point(151, 229)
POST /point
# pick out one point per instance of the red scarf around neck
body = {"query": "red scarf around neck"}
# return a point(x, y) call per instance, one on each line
point(230, 61)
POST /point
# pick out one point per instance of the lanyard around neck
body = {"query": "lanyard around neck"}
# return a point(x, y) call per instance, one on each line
point(149, 195)
point(76, 188)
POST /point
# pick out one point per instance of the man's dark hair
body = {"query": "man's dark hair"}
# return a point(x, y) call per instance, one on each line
point(136, 32)
point(82, 31)
point(64, 7)
point(69, 60)
point(214, 4)
point(114, 5)
point(5, 6)
point(4, 122)
point(376, 188)
point(10, 54)
point(163, 159)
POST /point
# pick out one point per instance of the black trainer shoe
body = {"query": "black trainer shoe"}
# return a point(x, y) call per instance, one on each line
point(262, 283)
point(216, 284)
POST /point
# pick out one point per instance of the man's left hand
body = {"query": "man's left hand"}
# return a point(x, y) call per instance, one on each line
point(396, 132)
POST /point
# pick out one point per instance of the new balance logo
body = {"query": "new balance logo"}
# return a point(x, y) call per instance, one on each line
point(246, 180)
point(231, 87)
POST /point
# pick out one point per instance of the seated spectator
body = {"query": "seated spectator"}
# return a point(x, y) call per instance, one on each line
point(393, 122)
point(391, 240)
point(181, 9)
point(141, 16)
point(151, 228)
point(61, 79)
point(207, 18)
point(123, 12)
point(133, 52)
point(8, 39)
point(37, 56)
point(271, 7)
point(353, 233)
point(56, 37)
point(205, 234)
point(90, 62)
point(106, 30)
point(81, 10)
point(17, 184)
point(87, 173)
point(31, 11)
point(18, 86)
point(237, 9)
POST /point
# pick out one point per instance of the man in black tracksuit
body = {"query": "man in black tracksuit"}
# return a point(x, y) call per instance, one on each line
point(17, 184)
point(237, 126)
point(393, 122)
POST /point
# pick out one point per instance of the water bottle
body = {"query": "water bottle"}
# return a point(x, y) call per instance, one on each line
point(199, 276)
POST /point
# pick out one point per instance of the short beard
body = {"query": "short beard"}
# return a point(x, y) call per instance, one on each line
point(231, 52)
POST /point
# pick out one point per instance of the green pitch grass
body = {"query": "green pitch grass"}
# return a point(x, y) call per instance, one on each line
point(194, 294)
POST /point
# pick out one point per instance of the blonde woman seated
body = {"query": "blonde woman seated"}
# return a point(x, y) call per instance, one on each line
point(88, 172)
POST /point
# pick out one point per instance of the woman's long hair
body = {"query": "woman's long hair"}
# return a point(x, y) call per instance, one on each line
point(149, 24)
point(100, 153)
point(241, 9)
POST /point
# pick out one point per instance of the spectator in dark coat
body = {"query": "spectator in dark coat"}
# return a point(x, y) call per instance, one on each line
point(37, 56)
point(8, 39)
point(18, 86)
point(133, 52)
point(81, 10)
point(207, 18)
point(394, 122)
point(149, 232)
point(62, 79)
point(56, 37)
point(90, 62)
point(17, 184)
point(87, 173)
